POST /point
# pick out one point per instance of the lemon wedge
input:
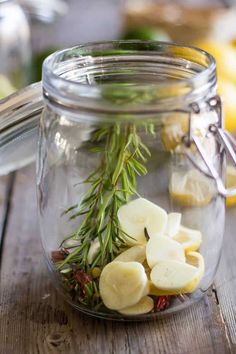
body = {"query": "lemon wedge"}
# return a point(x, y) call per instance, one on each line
point(174, 128)
point(195, 259)
point(231, 183)
point(191, 188)
point(145, 305)
point(190, 239)
point(174, 277)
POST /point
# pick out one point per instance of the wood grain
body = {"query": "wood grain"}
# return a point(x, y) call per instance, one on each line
point(6, 184)
point(34, 319)
point(3, 191)
point(226, 277)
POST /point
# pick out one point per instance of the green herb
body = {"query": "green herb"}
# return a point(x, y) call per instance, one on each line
point(123, 157)
point(110, 186)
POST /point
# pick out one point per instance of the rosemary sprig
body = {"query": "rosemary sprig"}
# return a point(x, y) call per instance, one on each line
point(111, 185)
point(123, 157)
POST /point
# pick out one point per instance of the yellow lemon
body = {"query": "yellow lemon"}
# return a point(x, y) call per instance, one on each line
point(225, 56)
point(174, 128)
point(227, 91)
point(190, 239)
point(191, 188)
point(195, 259)
point(231, 183)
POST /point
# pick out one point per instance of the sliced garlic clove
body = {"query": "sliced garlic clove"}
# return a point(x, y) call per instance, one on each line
point(122, 284)
point(93, 250)
point(145, 305)
point(163, 248)
point(71, 243)
point(134, 254)
point(177, 276)
point(139, 214)
point(173, 224)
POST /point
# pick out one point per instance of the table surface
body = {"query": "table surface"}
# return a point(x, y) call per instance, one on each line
point(35, 319)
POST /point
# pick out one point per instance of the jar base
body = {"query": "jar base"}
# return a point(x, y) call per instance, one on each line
point(176, 306)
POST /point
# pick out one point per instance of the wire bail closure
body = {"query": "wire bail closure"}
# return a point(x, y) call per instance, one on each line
point(226, 140)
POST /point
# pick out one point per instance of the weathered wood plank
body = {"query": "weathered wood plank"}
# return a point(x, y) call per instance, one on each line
point(226, 277)
point(6, 183)
point(34, 319)
point(3, 188)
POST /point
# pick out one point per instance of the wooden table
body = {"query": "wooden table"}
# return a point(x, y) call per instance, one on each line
point(33, 317)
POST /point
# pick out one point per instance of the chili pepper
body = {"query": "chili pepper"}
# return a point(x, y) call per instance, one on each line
point(162, 303)
point(82, 277)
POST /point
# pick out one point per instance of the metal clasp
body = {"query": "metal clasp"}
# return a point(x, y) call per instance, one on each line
point(225, 138)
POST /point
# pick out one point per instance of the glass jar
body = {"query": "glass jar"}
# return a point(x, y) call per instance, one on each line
point(188, 22)
point(15, 51)
point(130, 175)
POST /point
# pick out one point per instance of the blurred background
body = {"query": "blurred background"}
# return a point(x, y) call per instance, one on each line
point(32, 29)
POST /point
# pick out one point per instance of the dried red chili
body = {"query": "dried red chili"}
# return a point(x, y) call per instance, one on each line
point(162, 303)
point(82, 277)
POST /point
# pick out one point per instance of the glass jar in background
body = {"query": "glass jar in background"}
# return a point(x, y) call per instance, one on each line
point(130, 175)
point(183, 21)
point(209, 26)
point(15, 52)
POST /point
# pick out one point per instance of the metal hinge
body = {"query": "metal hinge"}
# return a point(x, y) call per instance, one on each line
point(225, 138)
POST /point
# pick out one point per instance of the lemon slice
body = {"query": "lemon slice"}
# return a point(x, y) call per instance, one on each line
point(231, 183)
point(163, 248)
point(145, 305)
point(173, 277)
point(134, 254)
point(122, 284)
point(174, 128)
point(190, 239)
point(195, 259)
point(191, 188)
point(139, 214)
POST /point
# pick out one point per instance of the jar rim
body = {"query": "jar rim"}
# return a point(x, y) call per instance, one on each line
point(69, 76)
